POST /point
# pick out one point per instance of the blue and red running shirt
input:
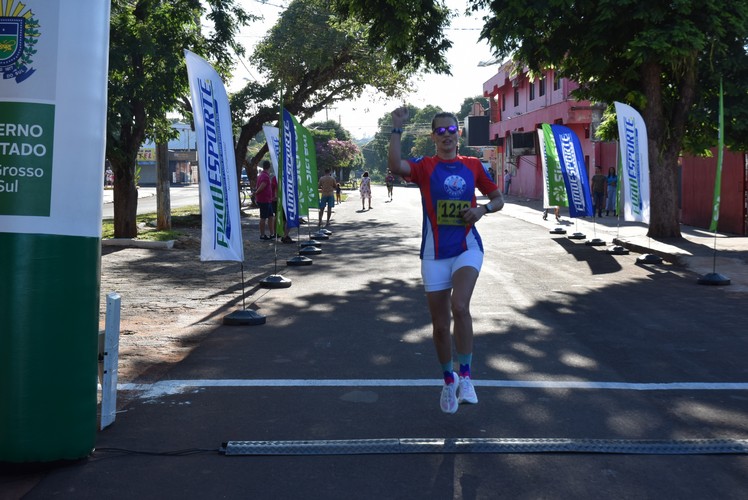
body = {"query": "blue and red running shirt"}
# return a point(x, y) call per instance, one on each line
point(447, 187)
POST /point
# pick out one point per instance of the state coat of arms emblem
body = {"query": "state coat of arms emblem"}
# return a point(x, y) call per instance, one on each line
point(19, 33)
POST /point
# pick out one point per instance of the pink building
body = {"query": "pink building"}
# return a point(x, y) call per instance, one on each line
point(519, 105)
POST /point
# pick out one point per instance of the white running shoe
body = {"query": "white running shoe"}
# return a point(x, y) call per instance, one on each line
point(466, 392)
point(448, 401)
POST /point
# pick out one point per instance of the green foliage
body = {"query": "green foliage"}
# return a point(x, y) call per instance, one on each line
point(188, 216)
point(467, 106)
point(663, 58)
point(148, 79)
point(338, 132)
point(317, 59)
point(335, 154)
point(410, 32)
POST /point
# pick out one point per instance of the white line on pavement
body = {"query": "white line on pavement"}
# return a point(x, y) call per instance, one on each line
point(166, 387)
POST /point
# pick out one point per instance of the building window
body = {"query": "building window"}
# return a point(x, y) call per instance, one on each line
point(516, 96)
point(556, 81)
point(541, 87)
point(503, 102)
point(532, 91)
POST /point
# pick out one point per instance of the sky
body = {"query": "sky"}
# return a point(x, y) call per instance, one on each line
point(360, 116)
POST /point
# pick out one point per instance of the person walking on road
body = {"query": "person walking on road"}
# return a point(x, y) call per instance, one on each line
point(556, 211)
point(365, 190)
point(390, 183)
point(451, 248)
point(327, 185)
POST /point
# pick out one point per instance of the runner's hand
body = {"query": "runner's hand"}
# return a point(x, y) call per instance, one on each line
point(400, 116)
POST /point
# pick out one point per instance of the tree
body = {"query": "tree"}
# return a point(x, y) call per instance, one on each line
point(335, 129)
point(412, 32)
point(148, 79)
point(661, 57)
point(375, 152)
point(664, 58)
point(337, 155)
point(421, 130)
point(467, 106)
point(316, 59)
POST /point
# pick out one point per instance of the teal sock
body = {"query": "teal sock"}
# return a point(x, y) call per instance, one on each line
point(465, 360)
point(447, 372)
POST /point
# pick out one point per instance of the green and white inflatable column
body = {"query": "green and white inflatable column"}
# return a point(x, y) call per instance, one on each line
point(53, 96)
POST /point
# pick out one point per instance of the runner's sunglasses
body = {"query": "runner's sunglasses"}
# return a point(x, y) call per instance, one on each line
point(452, 129)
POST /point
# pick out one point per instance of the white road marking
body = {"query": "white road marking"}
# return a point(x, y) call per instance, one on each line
point(167, 387)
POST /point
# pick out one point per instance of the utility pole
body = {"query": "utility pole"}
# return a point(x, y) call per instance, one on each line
point(163, 195)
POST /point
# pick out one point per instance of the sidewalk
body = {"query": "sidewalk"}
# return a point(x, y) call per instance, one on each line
point(143, 192)
point(696, 251)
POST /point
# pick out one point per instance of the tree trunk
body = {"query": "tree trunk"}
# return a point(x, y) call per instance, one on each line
point(125, 200)
point(163, 195)
point(248, 131)
point(664, 221)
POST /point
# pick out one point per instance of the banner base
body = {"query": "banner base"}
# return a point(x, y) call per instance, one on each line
point(299, 260)
point(594, 242)
point(617, 250)
point(649, 258)
point(245, 317)
point(715, 279)
point(310, 250)
point(275, 281)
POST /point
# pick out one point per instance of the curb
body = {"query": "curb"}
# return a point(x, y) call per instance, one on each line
point(134, 243)
point(676, 259)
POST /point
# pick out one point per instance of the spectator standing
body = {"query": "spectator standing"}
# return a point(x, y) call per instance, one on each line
point(327, 185)
point(507, 181)
point(610, 202)
point(598, 182)
point(264, 199)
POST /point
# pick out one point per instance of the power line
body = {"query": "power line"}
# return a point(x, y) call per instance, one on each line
point(265, 2)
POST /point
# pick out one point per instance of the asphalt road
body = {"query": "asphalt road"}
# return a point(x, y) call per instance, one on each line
point(180, 196)
point(572, 344)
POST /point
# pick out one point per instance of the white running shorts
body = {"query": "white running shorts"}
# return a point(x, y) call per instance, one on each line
point(437, 274)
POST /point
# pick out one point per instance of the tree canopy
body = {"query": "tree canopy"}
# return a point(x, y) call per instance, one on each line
point(411, 32)
point(148, 79)
point(315, 59)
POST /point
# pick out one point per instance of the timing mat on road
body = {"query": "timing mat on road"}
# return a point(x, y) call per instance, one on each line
point(487, 445)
